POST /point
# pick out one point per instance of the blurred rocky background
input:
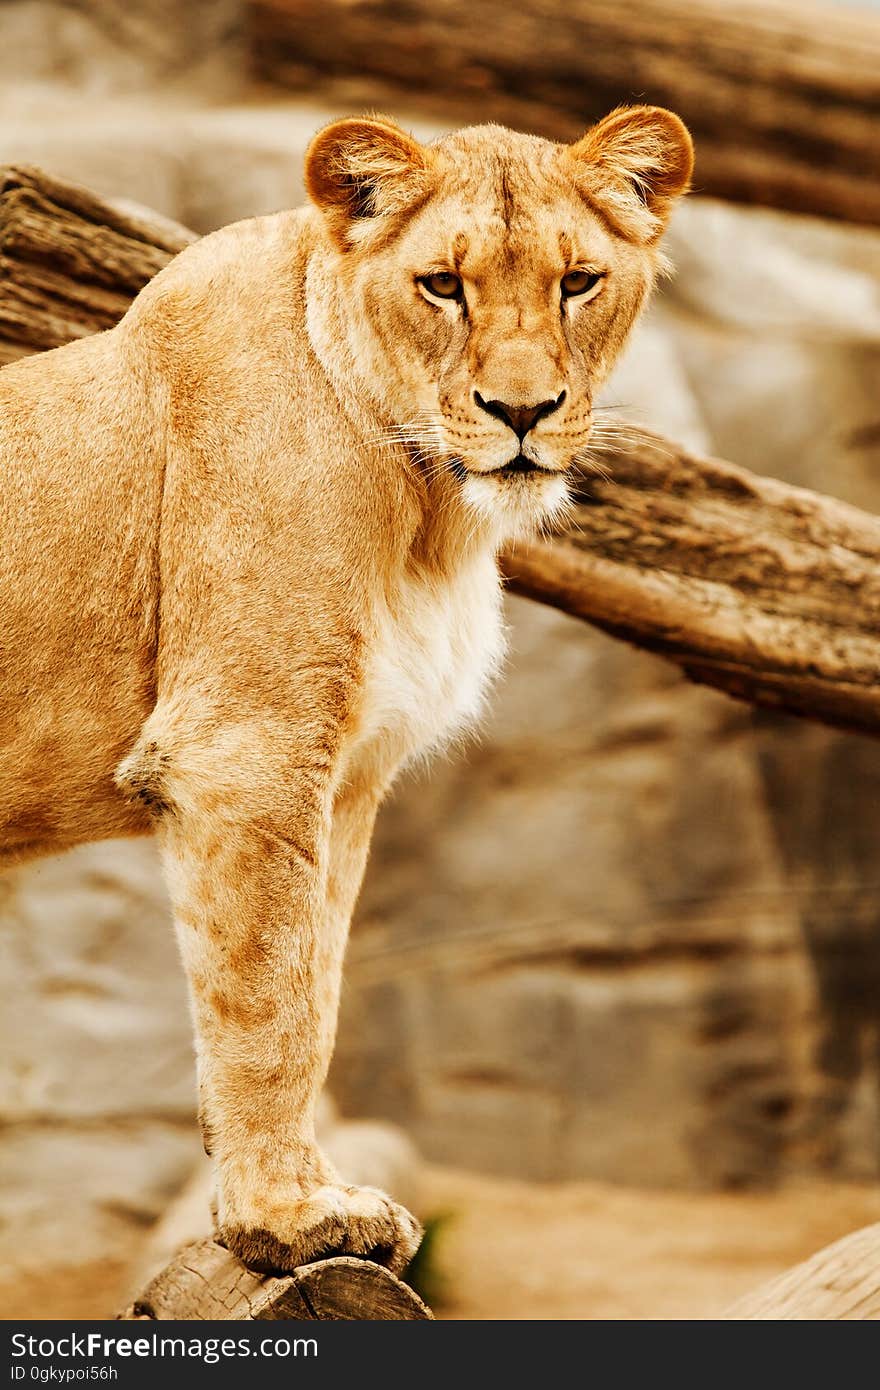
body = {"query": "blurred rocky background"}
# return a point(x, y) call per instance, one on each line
point(632, 935)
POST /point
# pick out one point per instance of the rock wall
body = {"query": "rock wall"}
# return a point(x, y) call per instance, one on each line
point(101, 48)
point(96, 1088)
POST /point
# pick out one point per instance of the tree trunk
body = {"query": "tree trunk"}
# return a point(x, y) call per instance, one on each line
point(760, 589)
point(783, 98)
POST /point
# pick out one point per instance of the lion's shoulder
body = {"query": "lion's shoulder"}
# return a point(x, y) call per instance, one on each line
point(231, 280)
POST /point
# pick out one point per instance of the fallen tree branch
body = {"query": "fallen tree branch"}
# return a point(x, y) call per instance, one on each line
point(763, 590)
point(841, 1283)
point(783, 98)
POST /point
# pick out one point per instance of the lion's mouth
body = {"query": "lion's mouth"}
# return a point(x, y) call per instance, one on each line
point(521, 464)
point(519, 467)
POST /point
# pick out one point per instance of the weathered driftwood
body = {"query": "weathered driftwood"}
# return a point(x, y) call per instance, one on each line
point(763, 590)
point(840, 1283)
point(204, 1282)
point(783, 98)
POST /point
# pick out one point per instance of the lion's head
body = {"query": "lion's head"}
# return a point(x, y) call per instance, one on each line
point(486, 283)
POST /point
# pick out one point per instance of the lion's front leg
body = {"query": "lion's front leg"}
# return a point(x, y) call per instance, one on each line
point(262, 920)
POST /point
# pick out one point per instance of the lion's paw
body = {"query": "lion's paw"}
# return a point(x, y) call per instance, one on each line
point(330, 1221)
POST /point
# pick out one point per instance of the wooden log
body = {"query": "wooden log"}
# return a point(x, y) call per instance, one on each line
point(766, 591)
point(763, 590)
point(783, 97)
point(71, 263)
point(840, 1283)
point(205, 1282)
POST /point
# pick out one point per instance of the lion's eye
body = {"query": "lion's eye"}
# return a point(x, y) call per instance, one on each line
point(442, 284)
point(579, 282)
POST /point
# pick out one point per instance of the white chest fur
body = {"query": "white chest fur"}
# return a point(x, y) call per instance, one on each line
point(437, 646)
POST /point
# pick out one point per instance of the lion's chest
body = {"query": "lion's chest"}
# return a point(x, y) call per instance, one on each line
point(436, 647)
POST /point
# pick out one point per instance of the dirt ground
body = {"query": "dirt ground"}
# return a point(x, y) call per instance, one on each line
point(513, 1250)
point(518, 1251)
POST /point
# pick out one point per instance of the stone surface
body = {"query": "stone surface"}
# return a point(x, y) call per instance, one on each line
point(96, 1082)
point(776, 322)
point(87, 940)
point(100, 48)
point(87, 1190)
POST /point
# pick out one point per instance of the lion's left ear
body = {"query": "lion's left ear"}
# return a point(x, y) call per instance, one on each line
point(641, 154)
point(363, 168)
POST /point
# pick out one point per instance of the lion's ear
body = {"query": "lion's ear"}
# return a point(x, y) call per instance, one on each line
point(643, 155)
point(362, 168)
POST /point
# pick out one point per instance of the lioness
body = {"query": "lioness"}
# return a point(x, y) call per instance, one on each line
point(248, 570)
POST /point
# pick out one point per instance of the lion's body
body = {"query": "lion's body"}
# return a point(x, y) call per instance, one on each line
point(247, 569)
point(109, 457)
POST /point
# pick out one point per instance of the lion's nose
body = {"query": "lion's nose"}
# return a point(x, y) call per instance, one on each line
point(520, 418)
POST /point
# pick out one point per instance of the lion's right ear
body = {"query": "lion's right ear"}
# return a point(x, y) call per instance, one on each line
point(360, 169)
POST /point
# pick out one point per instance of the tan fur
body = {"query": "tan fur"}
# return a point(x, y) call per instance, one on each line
point(248, 570)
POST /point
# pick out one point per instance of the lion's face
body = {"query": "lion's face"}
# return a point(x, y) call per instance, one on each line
point(502, 324)
point(488, 283)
